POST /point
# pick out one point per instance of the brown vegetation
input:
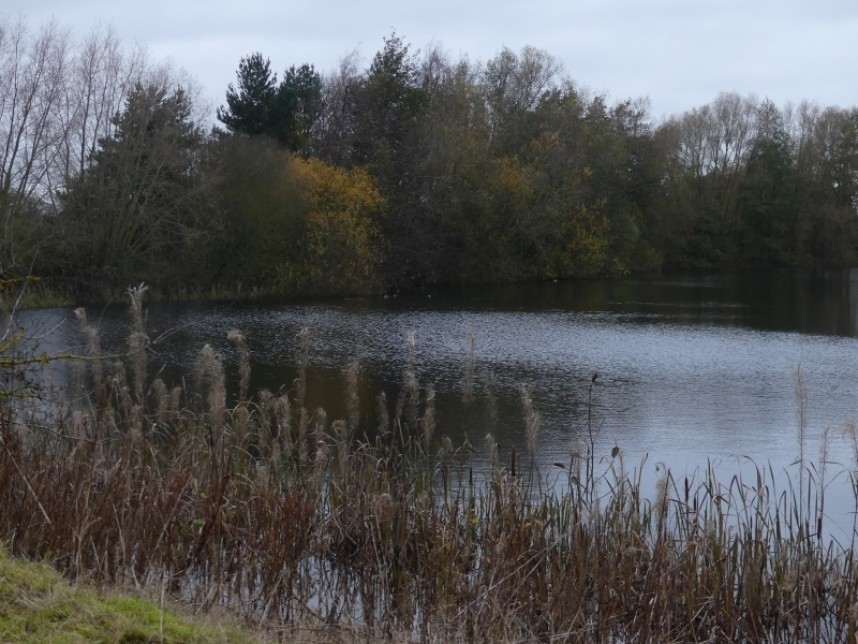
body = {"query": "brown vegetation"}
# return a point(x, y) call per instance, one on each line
point(287, 517)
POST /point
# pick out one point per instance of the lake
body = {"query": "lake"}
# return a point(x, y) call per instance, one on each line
point(693, 367)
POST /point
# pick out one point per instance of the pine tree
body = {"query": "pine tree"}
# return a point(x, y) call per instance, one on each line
point(284, 112)
point(251, 108)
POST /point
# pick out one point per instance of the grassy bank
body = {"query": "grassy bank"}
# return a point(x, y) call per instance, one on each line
point(286, 517)
point(37, 605)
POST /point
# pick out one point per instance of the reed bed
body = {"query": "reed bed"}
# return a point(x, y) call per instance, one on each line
point(292, 519)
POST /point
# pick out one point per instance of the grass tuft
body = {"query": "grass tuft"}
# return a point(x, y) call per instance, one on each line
point(37, 605)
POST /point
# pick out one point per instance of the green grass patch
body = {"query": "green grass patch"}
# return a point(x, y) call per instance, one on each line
point(38, 605)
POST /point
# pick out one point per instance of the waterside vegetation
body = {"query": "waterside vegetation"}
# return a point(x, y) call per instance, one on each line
point(419, 169)
point(255, 504)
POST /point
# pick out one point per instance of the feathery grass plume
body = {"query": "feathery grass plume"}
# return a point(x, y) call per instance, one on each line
point(303, 430)
point(492, 449)
point(447, 448)
point(408, 404)
point(265, 400)
point(384, 417)
point(283, 417)
point(342, 440)
point(119, 386)
point(262, 480)
point(352, 396)
point(208, 371)
point(135, 295)
point(81, 423)
point(240, 341)
point(243, 426)
point(320, 426)
point(850, 431)
point(137, 424)
point(660, 506)
point(274, 427)
point(823, 483)
point(138, 341)
point(302, 358)
point(531, 420)
point(162, 401)
point(408, 401)
point(241, 414)
point(321, 459)
point(428, 420)
point(175, 402)
point(93, 342)
point(801, 414)
point(470, 366)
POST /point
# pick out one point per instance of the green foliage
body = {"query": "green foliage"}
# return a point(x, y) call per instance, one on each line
point(300, 225)
point(250, 107)
point(284, 112)
point(390, 101)
point(767, 203)
point(516, 87)
point(260, 212)
point(497, 171)
point(299, 102)
point(140, 202)
point(27, 233)
point(37, 605)
point(439, 221)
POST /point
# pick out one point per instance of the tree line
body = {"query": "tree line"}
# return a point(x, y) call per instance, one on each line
point(419, 169)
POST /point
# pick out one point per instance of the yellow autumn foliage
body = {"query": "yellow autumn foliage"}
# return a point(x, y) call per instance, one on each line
point(514, 181)
point(342, 238)
point(586, 245)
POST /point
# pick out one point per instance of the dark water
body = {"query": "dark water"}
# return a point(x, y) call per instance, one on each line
point(692, 367)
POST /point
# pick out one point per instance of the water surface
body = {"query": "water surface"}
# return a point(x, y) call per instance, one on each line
point(693, 368)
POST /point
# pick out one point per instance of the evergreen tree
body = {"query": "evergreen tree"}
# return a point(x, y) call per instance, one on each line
point(134, 213)
point(284, 112)
point(251, 109)
point(391, 103)
point(299, 103)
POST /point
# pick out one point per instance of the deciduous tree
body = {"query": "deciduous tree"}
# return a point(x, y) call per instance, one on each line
point(33, 68)
point(342, 244)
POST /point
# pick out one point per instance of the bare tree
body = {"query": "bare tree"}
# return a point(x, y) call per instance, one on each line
point(57, 99)
point(335, 129)
point(101, 75)
point(32, 86)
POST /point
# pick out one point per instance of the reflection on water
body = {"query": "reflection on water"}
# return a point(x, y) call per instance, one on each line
point(692, 367)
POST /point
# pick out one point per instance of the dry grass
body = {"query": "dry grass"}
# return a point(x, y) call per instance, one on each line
point(292, 520)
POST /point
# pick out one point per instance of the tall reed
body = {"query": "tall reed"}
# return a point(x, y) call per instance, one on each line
point(288, 517)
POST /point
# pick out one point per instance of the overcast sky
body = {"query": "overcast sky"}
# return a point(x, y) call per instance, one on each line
point(679, 53)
